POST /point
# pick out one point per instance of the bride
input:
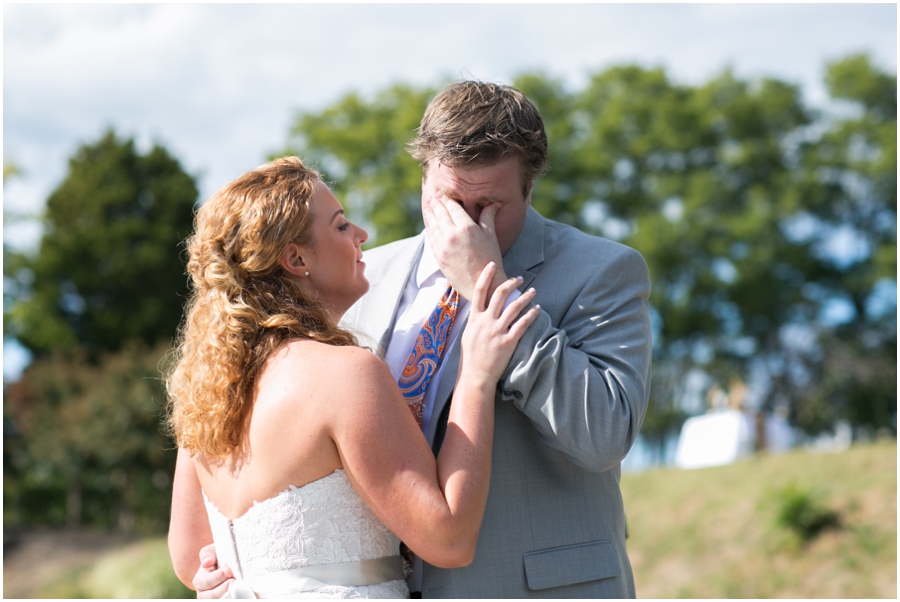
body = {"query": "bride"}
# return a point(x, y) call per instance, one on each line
point(298, 456)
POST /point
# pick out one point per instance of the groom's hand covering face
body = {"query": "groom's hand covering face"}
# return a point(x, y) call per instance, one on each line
point(473, 216)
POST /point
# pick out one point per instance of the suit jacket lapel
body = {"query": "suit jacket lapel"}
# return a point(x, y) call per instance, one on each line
point(526, 253)
point(528, 250)
point(377, 313)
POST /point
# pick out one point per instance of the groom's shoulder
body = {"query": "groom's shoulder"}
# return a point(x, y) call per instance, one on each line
point(569, 241)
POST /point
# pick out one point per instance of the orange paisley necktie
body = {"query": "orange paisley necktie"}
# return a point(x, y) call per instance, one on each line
point(426, 353)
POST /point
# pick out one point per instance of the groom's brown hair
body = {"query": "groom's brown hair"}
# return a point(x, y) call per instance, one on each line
point(479, 124)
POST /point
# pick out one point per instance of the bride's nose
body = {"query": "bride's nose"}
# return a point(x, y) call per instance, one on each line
point(362, 236)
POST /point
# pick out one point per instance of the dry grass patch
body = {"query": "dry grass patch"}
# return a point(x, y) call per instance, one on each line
point(714, 533)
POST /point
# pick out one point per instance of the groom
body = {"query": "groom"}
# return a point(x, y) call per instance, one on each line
point(572, 399)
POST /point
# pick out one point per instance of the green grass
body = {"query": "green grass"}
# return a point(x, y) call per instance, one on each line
point(742, 530)
point(139, 570)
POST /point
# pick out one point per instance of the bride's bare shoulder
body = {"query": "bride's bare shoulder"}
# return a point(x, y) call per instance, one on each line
point(330, 366)
point(344, 391)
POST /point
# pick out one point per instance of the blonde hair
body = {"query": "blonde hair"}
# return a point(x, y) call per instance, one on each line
point(243, 305)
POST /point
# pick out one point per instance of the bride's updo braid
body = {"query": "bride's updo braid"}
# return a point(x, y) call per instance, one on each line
point(243, 305)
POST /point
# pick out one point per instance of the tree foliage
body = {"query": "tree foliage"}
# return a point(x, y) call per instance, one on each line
point(849, 181)
point(736, 192)
point(97, 306)
point(360, 146)
point(109, 267)
point(89, 445)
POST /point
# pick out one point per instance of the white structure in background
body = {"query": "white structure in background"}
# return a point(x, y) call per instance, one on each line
point(728, 432)
point(714, 439)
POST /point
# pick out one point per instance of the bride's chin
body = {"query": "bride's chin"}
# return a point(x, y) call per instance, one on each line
point(362, 291)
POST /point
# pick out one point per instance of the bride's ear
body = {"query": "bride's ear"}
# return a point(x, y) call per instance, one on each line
point(292, 261)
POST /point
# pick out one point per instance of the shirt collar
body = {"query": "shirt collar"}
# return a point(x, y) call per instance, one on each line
point(428, 271)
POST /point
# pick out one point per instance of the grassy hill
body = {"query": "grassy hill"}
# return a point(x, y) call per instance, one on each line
point(742, 530)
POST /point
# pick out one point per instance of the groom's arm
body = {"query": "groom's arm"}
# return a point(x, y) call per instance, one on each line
point(581, 373)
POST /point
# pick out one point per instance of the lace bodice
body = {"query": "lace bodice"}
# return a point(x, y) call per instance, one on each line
point(323, 522)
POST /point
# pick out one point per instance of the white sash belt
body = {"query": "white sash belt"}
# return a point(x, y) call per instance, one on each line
point(303, 579)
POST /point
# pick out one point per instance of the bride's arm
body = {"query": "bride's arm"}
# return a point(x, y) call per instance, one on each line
point(435, 507)
point(189, 534)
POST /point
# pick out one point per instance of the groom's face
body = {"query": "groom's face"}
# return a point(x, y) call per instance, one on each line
point(477, 187)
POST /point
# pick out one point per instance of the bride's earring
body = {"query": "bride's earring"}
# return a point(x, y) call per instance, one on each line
point(306, 273)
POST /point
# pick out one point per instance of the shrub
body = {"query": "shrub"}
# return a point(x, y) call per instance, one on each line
point(802, 512)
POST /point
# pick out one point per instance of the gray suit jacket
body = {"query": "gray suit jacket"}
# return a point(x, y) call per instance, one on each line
point(569, 407)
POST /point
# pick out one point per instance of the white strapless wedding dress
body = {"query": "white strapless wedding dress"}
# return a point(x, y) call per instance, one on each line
point(315, 541)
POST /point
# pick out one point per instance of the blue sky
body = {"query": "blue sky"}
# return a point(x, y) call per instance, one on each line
point(219, 84)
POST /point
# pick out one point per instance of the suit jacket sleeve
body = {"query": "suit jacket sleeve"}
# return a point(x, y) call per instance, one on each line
point(581, 372)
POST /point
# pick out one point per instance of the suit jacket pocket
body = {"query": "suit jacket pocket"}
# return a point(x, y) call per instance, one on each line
point(566, 565)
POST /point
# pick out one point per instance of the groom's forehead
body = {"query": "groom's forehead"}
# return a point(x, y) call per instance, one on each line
point(476, 184)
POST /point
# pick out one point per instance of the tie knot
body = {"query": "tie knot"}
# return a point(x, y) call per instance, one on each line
point(450, 299)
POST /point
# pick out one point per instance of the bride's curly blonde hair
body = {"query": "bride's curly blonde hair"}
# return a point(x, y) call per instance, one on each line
point(243, 305)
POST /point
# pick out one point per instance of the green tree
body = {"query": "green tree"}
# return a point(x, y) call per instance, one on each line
point(93, 447)
point(848, 181)
point(713, 184)
point(97, 305)
point(699, 180)
point(109, 267)
point(361, 145)
point(734, 191)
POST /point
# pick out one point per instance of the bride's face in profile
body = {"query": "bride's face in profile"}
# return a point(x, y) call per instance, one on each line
point(333, 258)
